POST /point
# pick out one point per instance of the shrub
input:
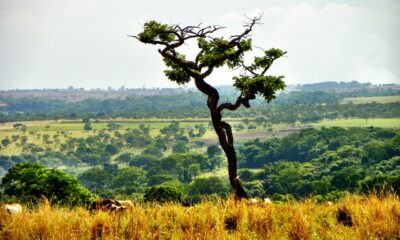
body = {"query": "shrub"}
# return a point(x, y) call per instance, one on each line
point(162, 194)
point(30, 181)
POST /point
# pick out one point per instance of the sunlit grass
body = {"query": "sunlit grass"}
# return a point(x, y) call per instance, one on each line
point(372, 217)
point(363, 100)
point(220, 172)
point(358, 122)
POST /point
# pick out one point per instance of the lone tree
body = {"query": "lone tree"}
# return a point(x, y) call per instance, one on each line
point(216, 52)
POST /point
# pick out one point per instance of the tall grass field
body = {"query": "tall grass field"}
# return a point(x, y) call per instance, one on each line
point(371, 218)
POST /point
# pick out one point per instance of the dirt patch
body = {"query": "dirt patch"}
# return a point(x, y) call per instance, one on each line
point(263, 135)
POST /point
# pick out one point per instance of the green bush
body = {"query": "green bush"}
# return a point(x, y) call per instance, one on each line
point(163, 194)
point(30, 181)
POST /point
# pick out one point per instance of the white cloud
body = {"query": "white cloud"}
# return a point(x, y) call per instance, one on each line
point(334, 42)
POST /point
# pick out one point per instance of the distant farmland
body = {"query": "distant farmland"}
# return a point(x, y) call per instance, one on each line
point(363, 100)
point(358, 122)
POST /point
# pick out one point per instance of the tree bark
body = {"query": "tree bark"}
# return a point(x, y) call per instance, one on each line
point(225, 136)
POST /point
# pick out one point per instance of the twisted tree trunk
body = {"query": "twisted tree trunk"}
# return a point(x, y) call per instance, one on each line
point(225, 136)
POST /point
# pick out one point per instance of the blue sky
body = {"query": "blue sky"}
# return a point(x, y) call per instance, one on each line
point(56, 44)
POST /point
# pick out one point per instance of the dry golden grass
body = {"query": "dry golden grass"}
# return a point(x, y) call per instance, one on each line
point(373, 218)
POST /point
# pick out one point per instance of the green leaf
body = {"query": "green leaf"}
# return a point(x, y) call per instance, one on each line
point(177, 75)
point(266, 86)
point(156, 31)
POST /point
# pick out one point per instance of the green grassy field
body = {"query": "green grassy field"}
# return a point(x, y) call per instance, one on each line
point(358, 122)
point(222, 172)
point(363, 100)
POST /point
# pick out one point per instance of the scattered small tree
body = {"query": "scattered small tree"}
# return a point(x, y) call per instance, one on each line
point(180, 147)
point(87, 126)
point(111, 149)
point(213, 150)
point(194, 170)
point(24, 128)
point(5, 142)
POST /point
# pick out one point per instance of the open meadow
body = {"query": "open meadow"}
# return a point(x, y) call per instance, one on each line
point(371, 218)
point(377, 99)
point(358, 122)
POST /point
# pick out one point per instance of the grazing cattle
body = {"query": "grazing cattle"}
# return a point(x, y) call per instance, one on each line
point(267, 201)
point(188, 204)
point(12, 208)
point(126, 203)
point(256, 201)
point(106, 205)
point(343, 216)
point(115, 208)
point(253, 201)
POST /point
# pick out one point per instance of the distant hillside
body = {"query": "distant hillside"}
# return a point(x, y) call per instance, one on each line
point(79, 94)
point(294, 104)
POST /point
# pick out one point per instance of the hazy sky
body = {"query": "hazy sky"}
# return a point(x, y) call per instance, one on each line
point(84, 43)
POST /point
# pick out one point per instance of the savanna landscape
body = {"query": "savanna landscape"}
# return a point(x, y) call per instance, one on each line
point(310, 171)
point(272, 153)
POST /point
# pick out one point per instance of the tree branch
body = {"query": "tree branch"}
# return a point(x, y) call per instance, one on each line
point(154, 42)
point(247, 68)
point(249, 25)
point(232, 107)
point(234, 42)
point(266, 68)
point(185, 65)
point(198, 56)
point(221, 60)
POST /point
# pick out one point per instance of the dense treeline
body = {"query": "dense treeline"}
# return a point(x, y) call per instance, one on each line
point(46, 108)
point(298, 106)
point(324, 162)
point(305, 103)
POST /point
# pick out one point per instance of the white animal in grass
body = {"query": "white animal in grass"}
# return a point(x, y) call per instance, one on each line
point(265, 201)
point(12, 208)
